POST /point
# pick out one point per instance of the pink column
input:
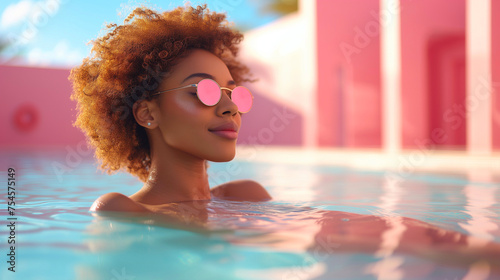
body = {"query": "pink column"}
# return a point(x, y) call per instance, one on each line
point(495, 72)
point(390, 52)
point(348, 44)
point(479, 89)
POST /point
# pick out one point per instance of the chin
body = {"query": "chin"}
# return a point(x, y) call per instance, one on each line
point(222, 157)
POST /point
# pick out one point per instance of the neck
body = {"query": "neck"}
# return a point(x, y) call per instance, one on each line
point(174, 176)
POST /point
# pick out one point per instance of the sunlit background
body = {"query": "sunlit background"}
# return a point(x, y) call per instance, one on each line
point(55, 33)
point(380, 107)
point(372, 77)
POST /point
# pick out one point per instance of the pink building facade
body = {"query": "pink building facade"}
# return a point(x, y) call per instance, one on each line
point(435, 70)
point(327, 84)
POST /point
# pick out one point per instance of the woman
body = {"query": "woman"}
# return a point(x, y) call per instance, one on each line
point(160, 96)
point(142, 107)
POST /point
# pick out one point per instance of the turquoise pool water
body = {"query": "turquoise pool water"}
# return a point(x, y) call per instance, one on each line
point(58, 238)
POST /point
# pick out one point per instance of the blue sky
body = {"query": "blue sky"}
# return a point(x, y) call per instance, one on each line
point(55, 33)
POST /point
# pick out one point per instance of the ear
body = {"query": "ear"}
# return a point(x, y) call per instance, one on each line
point(143, 114)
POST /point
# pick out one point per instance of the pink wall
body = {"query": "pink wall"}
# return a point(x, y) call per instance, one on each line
point(495, 71)
point(270, 123)
point(40, 99)
point(48, 113)
point(432, 42)
point(349, 93)
point(348, 73)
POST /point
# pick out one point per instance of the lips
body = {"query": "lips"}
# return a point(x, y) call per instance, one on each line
point(225, 127)
point(227, 130)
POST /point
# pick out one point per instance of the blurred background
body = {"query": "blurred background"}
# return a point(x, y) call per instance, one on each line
point(367, 75)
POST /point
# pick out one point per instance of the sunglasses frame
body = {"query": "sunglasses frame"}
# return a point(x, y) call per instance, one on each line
point(196, 86)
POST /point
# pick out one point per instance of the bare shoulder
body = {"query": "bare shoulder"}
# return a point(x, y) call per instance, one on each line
point(241, 190)
point(116, 202)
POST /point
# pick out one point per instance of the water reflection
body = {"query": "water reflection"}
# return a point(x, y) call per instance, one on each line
point(483, 222)
point(480, 198)
point(292, 183)
point(244, 242)
point(389, 266)
point(274, 240)
point(239, 236)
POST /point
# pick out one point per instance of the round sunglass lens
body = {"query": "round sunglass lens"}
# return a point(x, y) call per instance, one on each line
point(242, 97)
point(208, 92)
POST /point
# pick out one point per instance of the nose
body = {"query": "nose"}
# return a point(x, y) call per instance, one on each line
point(226, 106)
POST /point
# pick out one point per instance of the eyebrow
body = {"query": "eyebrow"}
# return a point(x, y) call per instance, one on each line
point(206, 76)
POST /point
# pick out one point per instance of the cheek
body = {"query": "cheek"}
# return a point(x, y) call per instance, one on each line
point(183, 105)
point(183, 108)
point(182, 114)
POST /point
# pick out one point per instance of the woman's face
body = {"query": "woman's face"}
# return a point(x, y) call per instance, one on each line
point(188, 125)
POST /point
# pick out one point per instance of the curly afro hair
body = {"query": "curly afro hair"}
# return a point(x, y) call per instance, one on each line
point(128, 64)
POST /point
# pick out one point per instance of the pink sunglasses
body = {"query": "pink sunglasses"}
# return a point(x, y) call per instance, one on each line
point(209, 93)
